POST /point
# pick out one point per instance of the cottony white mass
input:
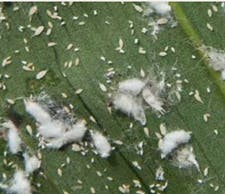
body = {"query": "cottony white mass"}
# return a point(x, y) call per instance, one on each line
point(162, 8)
point(13, 138)
point(52, 129)
point(36, 110)
point(19, 184)
point(74, 134)
point(101, 144)
point(131, 106)
point(32, 163)
point(172, 140)
point(131, 86)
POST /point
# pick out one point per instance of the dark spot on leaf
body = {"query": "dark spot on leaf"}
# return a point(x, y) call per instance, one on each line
point(14, 116)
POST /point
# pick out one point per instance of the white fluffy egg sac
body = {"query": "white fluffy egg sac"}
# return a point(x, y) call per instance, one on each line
point(19, 184)
point(101, 144)
point(32, 163)
point(37, 111)
point(162, 8)
point(74, 134)
point(131, 86)
point(13, 138)
point(173, 140)
point(130, 105)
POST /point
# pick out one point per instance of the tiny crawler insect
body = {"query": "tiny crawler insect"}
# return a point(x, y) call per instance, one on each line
point(59, 172)
point(32, 11)
point(103, 87)
point(51, 44)
point(124, 188)
point(141, 50)
point(162, 54)
point(197, 96)
point(209, 26)
point(138, 8)
point(41, 74)
point(79, 91)
point(101, 144)
point(137, 183)
point(38, 30)
point(163, 21)
point(159, 174)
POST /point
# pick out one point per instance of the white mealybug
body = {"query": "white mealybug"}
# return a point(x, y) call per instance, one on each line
point(32, 163)
point(216, 59)
point(19, 184)
point(130, 105)
point(52, 129)
point(56, 125)
point(37, 111)
point(74, 134)
point(175, 145)
point(132, 93)
point(132, 86)
point(160, 16)
point(13, 138)
point(162, 8)
point(48, 127)
point(184, 158)
point(101, 144)
point(173, 140)
point(159, 174)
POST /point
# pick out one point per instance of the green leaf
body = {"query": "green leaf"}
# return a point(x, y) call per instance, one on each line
point(98, 37)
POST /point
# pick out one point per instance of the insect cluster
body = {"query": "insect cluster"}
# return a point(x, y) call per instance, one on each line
point(56, 128)
point(20, 183)
point(175, 145)
point(133, 94)
point(159, 14)
point(216, 59)
point(59, 127)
